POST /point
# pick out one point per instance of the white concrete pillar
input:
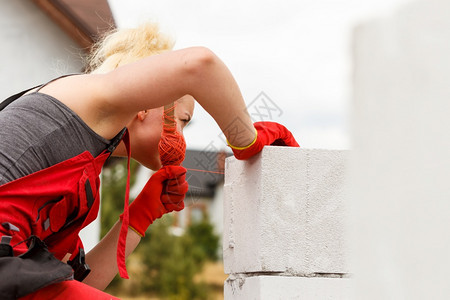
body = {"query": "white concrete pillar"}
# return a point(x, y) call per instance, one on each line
point(400, 167)
point(284, 225)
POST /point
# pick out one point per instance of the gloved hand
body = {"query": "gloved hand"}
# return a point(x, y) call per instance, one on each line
point(164, 192)
point(267, 133)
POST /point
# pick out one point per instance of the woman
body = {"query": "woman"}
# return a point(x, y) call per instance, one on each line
point(132, 76)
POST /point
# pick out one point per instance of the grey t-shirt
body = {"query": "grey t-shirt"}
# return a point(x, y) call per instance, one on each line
point(38, 131)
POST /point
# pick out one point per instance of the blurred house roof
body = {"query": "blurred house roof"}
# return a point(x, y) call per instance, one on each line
point(201, 183)
point(83, 20)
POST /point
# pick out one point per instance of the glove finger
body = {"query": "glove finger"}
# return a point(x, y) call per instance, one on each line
point(174, 171)
point(291, 142)
point(172, 199)
point(176, 181)
point(275, 134)
point(279, 142)
point(175, 207)
point(287, 139)
point(179, 189)
point(172, 202)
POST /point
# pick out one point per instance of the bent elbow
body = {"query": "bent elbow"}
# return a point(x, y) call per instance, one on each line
point(199, 60)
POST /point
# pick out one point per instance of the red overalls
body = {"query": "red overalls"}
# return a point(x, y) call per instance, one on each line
point(54, 204)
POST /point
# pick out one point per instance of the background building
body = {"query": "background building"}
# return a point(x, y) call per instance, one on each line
point(45, 39)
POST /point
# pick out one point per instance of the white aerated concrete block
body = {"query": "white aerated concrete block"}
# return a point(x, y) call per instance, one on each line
point(285, 288)
point(283, 212)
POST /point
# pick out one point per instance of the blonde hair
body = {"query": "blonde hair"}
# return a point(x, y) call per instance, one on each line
point(124, 46)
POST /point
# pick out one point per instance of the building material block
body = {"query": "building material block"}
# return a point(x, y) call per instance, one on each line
point(283, 212)
point(285, 287)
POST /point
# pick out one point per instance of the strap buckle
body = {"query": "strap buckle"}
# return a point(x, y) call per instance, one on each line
point(116, 140)
point(80, 268)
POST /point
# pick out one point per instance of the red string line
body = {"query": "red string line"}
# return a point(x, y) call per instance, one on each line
point(198, 170)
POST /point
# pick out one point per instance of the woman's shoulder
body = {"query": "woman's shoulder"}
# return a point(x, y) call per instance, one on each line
point(83, 95)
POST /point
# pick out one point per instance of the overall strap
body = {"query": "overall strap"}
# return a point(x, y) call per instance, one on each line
point(54, 79)
point(9, 100)
point(125, 219)
point(116, 141)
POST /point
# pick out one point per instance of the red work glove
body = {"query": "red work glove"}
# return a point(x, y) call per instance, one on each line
point(267, 133)
point(164, 192)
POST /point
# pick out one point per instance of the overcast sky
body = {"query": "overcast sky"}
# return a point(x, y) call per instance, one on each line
point(291, 58)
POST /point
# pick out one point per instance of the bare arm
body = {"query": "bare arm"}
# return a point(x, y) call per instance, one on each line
point(108, 102)
point(102, 259)
point(157, 80)
point(194, 71)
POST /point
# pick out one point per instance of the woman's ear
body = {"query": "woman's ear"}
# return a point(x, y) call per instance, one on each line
point(142, 115)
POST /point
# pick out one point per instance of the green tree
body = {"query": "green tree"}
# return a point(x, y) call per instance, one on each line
point(114, 179)
point(171, 263)
point(202, 234)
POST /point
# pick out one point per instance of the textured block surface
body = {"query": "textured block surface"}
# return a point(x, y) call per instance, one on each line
point(284, 287)
point(283, 212)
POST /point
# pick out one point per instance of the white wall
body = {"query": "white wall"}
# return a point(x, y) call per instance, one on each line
point(401, 163)
point(33, 48)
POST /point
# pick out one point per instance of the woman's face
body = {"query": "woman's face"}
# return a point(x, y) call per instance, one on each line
point(145, 131)
point(184, 110)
